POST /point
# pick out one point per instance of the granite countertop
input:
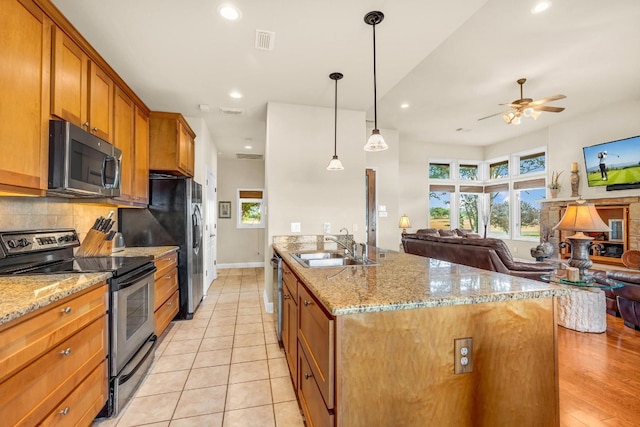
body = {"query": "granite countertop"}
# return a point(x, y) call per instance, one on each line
point(24, 294)
point(402, 281)
point(152, 251)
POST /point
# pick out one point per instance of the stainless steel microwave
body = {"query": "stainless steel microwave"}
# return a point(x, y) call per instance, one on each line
point(81, 164)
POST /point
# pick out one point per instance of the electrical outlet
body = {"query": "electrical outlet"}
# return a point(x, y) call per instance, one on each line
point(295, 227)
point(463, 355)
point(327, 227)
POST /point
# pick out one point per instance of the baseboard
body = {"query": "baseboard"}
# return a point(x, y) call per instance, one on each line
point(268, 306)
point(241, 265)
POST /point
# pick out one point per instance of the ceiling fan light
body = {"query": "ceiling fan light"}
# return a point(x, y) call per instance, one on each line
point(528, 112)
point(375, 142)
point(516, 120)
point(335, 164)
point(535, 114)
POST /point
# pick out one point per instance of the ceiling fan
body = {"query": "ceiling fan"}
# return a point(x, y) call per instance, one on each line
point(526, 107)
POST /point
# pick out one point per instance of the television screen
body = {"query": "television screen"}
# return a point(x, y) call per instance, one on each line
point(613, 163)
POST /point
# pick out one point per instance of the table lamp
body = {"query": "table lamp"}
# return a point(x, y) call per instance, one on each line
point(581, 217)
point(404, 223)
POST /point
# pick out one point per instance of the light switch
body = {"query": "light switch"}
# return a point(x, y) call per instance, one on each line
point(295, 227)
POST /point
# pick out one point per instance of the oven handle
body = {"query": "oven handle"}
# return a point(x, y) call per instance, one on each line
point(139, 361)
point(135, 279)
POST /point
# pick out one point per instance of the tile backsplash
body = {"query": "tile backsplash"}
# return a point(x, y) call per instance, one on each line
point(27, 213)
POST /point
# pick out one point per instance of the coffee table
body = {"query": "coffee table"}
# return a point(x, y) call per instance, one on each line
point(584, 309)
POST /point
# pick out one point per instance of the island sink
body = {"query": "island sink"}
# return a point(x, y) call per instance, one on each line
point(327, 259)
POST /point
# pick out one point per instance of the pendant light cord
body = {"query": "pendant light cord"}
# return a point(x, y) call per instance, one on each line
point(375, 96)
point(335, 121)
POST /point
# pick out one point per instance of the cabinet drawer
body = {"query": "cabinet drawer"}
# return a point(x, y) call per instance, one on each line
point(315, 412)
point(316, 338)
point(290, 280)
point(31, 394)
point(28, 339)
point(84, 403)
point(165, 314)
point(165, 286)
point(165, 263)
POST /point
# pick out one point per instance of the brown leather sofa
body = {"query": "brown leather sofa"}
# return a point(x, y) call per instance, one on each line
point(628, 296)
point(610, 298)
point(470, 249)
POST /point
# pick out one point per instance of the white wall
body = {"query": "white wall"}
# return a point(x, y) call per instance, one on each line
point(239, 247)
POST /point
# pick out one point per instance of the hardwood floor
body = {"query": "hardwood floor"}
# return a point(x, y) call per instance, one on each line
point(600, 376)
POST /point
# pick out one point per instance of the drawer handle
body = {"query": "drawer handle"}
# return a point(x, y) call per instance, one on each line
point(285, 296)
point(307, 303)
point(307, 376)
point(94, 129)
point(168, 276)
point(66, 310)
point(169, 302)
point(66, 352)
point(85, 125)
point(64, 411)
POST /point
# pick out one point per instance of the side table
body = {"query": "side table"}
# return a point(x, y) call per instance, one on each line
point(584, 309)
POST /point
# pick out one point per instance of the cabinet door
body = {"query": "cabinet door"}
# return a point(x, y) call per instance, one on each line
point(185, 151)
point(290, 332)
point(100, 103)
point(141, 157)
point(123, 112)
point(70, 74)
point(25, 49)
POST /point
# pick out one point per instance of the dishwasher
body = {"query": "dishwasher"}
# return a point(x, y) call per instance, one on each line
point(276, 264)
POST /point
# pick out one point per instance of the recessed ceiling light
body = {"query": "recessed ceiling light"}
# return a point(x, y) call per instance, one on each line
point(541, 6)
point(235, 94)
point(248, 147)
point(230, 12)
point(404, 105)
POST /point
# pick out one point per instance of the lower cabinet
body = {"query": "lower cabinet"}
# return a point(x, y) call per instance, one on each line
point(308, 335)
point(166, 303)
point(54, 363)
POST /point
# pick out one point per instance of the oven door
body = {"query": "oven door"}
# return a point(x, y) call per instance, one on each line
point(132, 320)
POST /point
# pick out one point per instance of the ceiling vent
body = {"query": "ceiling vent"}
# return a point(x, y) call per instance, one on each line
point(245, 156)
point(265, 39)
point(231, 111)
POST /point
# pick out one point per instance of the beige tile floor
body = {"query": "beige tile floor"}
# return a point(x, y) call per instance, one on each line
point(223, 368)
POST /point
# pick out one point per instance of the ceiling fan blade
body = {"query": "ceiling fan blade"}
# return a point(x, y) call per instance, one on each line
point(547, 99)
point(493, 115)
point(547, 108)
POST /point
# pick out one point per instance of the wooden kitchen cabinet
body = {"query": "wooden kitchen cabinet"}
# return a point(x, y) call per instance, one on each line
point(131, 136)
point(25, 49)
point(82, 92)
point(54, 362)
point(290, 320)
point(166, 297)
point(171, 144)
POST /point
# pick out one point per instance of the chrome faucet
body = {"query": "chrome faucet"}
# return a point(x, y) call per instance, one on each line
point(352, 251)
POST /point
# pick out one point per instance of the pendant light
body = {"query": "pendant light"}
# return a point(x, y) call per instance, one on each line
point(375, 141)
point(335, 164)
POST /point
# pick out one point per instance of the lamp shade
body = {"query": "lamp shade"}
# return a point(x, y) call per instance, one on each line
point(581, 217)
point(404, 222)
point(335, 164)
point(375, 142)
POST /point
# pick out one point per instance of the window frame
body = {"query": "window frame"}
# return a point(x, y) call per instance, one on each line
point(240, 200)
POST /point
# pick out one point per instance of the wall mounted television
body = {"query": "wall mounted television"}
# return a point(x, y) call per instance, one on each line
point(614, 164)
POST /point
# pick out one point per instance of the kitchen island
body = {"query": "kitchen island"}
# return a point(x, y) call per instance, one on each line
point(375, 344)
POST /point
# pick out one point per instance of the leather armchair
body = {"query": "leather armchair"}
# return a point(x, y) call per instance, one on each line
point(628, 296)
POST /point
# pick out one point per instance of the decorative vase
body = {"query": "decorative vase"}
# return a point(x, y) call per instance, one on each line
point(575, 182)
point(554, 192)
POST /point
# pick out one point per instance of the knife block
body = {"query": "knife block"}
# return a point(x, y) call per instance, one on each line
point(94, 244)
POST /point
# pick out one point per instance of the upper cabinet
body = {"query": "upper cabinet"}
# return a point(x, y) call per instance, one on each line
point(171, 144)
point(141, 156)
point(82, 92)
point(25, 49)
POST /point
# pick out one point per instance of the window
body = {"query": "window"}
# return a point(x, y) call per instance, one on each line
point(250, 209)
point(469, 203)
point(440, 206)
point(532, 163)
point(527, 217)
point(468, 172)
point(439, 170)
point(499, 169)
point(498, 210)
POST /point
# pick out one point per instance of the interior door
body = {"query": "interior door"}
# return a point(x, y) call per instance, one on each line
point(211, 269)
point(372, 223)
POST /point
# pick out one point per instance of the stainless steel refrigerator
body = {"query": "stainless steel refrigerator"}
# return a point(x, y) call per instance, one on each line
point(173, 217)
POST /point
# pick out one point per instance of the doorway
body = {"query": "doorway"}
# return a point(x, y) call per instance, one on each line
point(372, 224)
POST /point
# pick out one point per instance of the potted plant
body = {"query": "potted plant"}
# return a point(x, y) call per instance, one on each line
point(554, 185)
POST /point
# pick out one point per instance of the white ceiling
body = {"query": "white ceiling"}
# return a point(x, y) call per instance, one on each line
point(453, 61)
